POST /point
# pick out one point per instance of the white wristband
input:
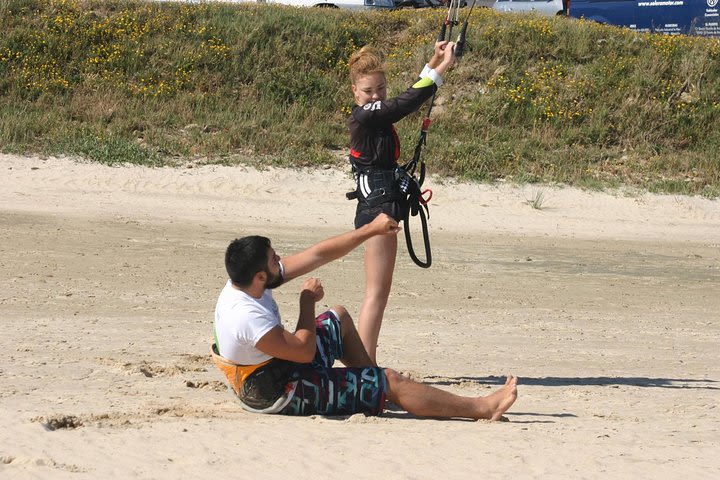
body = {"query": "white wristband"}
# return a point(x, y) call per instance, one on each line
point(430, 73)
point(435, 77)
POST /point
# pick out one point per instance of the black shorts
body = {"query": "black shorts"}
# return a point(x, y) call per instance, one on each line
point(365, 214)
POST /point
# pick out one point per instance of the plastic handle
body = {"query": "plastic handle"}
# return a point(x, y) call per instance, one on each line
point(460, 45)
point(441, 37)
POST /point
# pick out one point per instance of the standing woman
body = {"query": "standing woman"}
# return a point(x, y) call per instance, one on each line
point(374, 153)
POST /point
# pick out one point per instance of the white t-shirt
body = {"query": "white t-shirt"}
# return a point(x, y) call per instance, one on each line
point(240, 321)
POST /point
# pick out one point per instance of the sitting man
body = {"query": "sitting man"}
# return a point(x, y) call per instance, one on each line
point(272, 370)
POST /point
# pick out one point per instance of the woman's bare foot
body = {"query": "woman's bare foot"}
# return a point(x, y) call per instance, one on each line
point(494, 405)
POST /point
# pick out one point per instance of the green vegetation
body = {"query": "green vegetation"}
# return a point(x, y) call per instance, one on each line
point(534, 99)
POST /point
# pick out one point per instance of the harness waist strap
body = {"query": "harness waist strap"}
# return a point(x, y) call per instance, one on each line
point(236, 374)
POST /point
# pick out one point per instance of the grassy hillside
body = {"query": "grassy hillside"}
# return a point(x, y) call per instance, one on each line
point(534, 99)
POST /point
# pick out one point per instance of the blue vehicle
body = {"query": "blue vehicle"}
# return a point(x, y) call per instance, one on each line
point(691, 17)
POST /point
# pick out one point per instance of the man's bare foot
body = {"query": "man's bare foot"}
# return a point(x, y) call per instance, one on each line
point(494, 405)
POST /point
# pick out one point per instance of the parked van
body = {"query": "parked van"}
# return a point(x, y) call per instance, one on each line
point(543, 7)
point(349, 4)
point(693, 17)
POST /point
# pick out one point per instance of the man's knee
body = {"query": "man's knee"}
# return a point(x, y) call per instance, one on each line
point(394, 379)
point(342, 313)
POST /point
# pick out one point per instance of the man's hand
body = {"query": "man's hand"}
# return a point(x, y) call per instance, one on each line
point(384, 224)
point(313, 289)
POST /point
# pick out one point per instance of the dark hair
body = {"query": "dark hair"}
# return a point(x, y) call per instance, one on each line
point(245, 257)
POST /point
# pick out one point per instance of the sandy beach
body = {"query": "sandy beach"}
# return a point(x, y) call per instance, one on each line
point(606, 305)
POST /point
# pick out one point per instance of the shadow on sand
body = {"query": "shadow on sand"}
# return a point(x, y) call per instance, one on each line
point(704, 384)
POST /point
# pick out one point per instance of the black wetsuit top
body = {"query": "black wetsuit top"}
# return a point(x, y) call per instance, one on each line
point(373, 139)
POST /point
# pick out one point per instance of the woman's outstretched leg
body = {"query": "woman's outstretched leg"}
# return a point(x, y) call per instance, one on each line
point(380, 253)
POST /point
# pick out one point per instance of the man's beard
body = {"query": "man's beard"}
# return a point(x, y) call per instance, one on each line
point(273, 281)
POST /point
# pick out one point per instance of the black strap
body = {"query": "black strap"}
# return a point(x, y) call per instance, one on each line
point(417, 207)
point(426, 239)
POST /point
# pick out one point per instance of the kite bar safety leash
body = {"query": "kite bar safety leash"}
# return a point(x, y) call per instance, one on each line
point(409, 183)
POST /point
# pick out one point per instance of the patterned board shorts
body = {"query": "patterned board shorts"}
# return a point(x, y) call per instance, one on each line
point(324, 390)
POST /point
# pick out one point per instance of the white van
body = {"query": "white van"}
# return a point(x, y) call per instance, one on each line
point(349, 4)
point(543, 7)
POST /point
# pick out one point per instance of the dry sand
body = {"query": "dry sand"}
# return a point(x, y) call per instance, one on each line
point(605, 305)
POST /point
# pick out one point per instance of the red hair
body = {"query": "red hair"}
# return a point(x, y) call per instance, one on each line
point(366, 61)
